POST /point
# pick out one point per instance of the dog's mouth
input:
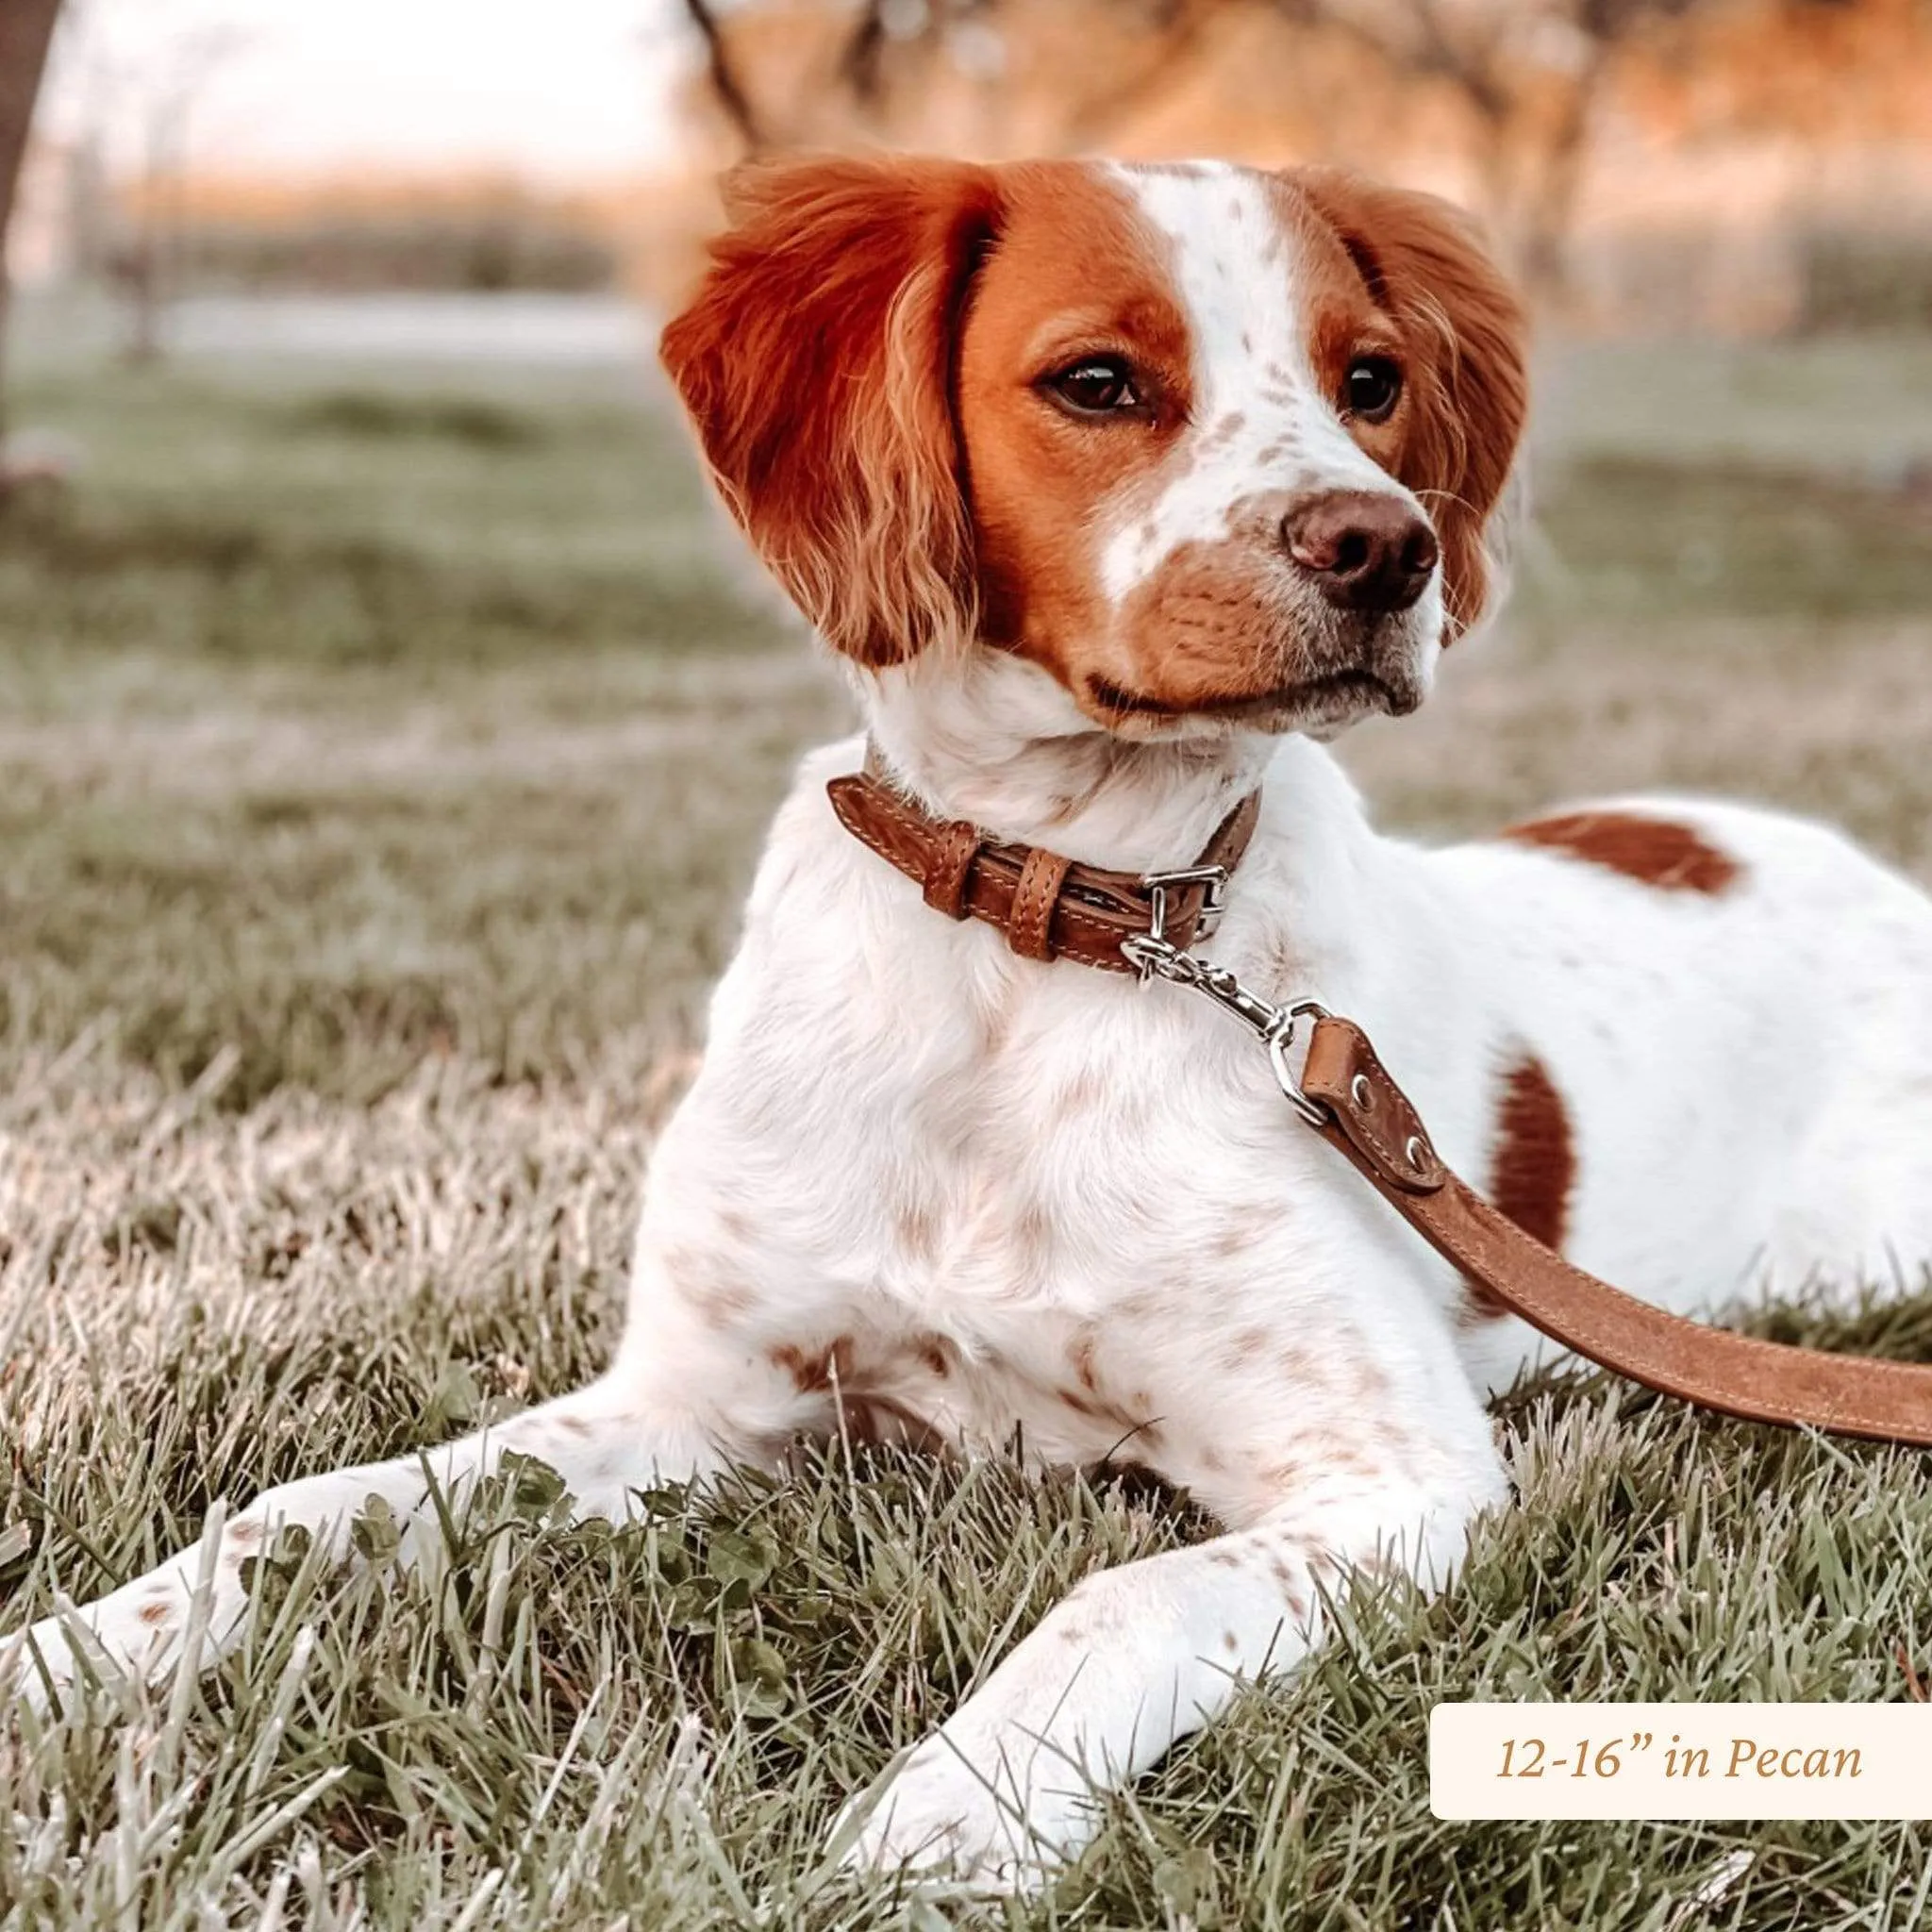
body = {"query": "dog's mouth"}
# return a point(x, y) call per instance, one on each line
point(1333, 698)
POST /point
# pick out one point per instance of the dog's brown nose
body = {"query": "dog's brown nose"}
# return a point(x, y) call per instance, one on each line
point(1366, 550)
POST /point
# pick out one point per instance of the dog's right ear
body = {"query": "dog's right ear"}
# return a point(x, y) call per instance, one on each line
point(816, 361)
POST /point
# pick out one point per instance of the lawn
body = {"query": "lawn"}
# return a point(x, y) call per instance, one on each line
point(381, 759)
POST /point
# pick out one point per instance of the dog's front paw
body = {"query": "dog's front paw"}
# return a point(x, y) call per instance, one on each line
point(43, 1666)
point(993, 1823)
point(134, 1635)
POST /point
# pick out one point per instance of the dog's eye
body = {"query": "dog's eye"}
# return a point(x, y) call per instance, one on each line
point(1372, 383)
point(1097, 387)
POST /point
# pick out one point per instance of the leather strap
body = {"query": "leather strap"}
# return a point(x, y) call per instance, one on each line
point(1371, 1120)
point(1048, 907)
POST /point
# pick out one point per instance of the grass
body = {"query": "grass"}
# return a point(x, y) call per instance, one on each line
point(381, 765)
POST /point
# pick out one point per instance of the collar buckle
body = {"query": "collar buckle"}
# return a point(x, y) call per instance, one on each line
point(1158, 884)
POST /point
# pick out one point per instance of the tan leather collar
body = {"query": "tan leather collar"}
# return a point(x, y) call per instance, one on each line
point(1048, 907)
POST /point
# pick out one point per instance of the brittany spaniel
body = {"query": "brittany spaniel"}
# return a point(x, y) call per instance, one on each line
point(1120, 490)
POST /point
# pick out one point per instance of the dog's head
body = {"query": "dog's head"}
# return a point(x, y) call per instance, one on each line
point(1211, 446)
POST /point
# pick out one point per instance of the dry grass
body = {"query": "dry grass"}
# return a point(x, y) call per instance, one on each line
point(372, 826)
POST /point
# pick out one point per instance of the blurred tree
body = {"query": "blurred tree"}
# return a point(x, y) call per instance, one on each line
point(720, 73)
point(1530, 78)
point(1519, 88)
point(27, 31)
point(162, 93)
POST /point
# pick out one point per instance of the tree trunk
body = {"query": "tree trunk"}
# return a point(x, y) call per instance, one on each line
point(727, 90)
point(1551, 210)
point(27, 31)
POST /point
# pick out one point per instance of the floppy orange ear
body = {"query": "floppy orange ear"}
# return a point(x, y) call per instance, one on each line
point(816, 361)
point(1467, 338)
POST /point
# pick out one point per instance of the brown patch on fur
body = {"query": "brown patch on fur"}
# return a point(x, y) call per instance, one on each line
point(936, 1356)
point(1221, 434)
point(1244, 1348)
point(1082, 1359)
point(156, 1610)
point(1654, 851)
point(573, 1425)
point(707, 1285)
point(1367, 1384)
point(1532, 1167)
point(1085, 1089)
point(1300, 1366)
point(1225, 1559)
point(244, 1530)
point(1229, 1642)
point(919, 1232)
point(1240, 1233)
point(814, 1372)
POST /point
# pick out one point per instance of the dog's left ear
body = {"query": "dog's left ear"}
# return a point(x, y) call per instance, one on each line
point(1467, 339)
point(817, 364)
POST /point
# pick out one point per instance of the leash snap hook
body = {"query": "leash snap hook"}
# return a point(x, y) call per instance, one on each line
point(1274, 1027)
point(1279, 1040)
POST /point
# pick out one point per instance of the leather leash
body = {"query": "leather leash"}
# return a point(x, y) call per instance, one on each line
point(1050, 907)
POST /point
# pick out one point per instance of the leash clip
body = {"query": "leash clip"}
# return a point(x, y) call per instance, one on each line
point(1157, 957)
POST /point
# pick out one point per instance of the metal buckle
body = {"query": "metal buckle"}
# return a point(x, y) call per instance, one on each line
point(1158, 884)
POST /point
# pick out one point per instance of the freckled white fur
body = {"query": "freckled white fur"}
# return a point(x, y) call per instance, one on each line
point(1051, 1197)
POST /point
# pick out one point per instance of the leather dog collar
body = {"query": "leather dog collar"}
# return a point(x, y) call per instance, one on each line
point(1048, 907)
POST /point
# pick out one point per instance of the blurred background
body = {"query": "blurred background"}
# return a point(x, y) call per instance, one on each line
point(371, 654)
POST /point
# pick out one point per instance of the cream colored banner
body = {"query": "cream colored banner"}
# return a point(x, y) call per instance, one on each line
point(1680, 1761)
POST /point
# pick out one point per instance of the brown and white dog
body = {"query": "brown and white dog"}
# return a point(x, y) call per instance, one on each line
point(1119, 489)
